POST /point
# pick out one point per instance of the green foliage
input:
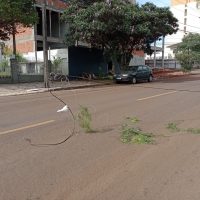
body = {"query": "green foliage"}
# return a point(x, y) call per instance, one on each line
point(173, 127)
point(20, 58)
point(132, 134)
point(4, 68)
point(101, 74)
point(18, 12)
point(7, 52)
point(13, 15)
point(56, 62)
point(193, 130)
point(188, 51)
point(133, 120)
point(85, 119)
point(118, 27)
point(5, 30)
point(3, 65)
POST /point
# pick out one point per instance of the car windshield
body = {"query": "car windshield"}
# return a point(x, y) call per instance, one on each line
point(131, 69)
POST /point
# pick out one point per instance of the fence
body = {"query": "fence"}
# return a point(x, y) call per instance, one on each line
point(13, 72)
point(5, 71)
point(31, 68)
point(30, 72)
point(169, 63)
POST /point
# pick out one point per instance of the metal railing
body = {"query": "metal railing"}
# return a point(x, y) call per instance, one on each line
point(168, 63)
point(31, 68)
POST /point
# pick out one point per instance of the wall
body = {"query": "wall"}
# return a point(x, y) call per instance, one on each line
point(30, 78)
point(24, 40)
point(137, 60)
point(168, 63)
point(5, 80)
point(86, 60)
point(178, 2)
point(58, 4)
point(62, 53)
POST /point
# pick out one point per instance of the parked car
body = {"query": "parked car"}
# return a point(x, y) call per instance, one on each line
point(134, 73)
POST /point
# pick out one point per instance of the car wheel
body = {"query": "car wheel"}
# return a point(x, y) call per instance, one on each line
point(150, 79)
point(134, 80)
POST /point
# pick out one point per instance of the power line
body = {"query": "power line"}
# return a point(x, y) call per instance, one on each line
point(189, 25)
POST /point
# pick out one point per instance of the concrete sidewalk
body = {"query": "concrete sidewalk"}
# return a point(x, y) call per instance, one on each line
point(31, 88)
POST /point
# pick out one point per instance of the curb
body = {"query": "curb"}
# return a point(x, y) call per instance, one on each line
point(42, 90)
point(157, 78)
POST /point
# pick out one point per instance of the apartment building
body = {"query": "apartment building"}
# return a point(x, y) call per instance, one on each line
point(188, 14)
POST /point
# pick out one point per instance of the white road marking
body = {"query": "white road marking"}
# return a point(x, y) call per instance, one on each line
point(27, 127)
point(158, 95)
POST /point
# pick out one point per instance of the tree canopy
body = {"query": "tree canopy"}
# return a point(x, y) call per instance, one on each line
point(188, 51)
point(5, 30)
point(14, 14)
point(117, 26)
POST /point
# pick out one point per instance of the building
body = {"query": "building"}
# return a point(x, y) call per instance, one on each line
point(188, 14)
point(31, 39)
point(76, 60)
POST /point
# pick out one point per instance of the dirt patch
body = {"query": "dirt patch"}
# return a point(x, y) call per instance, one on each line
point(168, 73)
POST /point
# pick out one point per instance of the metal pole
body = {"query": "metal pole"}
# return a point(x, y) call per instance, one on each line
point(154, 60)
point(0, 51)
point(45, 52)
point(163, 51)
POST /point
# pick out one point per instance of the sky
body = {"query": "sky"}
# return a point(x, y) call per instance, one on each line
point(160, 3)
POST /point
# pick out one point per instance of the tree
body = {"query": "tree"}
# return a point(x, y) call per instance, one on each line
point(16, 14)
point(117, 26)
point(162, 23)
point(5, 30)
point(188, 51)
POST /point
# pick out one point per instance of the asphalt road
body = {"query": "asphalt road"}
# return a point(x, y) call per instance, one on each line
point(98, 166)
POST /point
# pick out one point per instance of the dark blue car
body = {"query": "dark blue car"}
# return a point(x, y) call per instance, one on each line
point(134, 73)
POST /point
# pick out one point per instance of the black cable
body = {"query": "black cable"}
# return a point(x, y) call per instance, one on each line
point(67, 138)
point(74, 124)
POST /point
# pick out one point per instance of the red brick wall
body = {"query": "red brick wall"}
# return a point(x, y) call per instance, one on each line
point(54, 3)
point(24, 32)
point(25, 40)
point(139, 53)
point(26, 46)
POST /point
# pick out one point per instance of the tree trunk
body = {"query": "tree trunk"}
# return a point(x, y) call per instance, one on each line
point(14, 41)
point(116, 65)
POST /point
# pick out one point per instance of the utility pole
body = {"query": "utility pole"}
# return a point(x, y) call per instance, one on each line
point(1, 48)
point(163, 51)
point(154, 59)
point(45, 52)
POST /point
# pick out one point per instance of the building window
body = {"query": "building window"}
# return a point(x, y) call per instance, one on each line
point(185, 13)
point(185, 29)
point(185, 21)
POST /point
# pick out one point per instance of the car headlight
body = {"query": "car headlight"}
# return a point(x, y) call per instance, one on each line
point(124, 75)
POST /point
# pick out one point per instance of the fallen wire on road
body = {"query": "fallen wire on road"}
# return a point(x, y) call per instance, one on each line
point(65, 108)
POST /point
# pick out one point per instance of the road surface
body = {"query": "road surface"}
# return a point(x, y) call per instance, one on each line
point(98, 166)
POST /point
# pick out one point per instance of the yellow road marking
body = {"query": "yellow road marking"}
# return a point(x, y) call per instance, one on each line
point(154, 96)
point(27, 127)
